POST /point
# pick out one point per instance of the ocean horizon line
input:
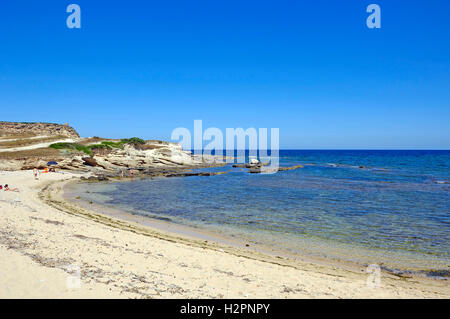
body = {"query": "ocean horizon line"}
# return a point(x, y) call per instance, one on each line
point(341, 149)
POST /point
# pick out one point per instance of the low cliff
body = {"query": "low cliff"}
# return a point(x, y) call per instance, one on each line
point(39, 129)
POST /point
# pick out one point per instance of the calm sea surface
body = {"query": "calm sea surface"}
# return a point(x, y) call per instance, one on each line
point(385, 207)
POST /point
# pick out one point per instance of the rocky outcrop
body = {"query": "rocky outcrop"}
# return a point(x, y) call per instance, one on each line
point(186, 174)
point(48, 129)
point(130, 156)
point(250, 165)
point(259, 169)
point(22, 147)
point(99, 178)
point(90, 161)
point(288, 168)
point(152, 159)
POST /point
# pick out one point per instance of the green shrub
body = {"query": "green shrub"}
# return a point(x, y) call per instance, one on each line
point(113, 144)
point(133, 140)
point(71, 146)
point(98, 146)
point(103, 145)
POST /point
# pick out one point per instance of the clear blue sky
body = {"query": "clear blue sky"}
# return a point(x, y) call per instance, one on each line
point(311, 68)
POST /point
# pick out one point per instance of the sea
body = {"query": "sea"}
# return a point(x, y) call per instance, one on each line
point(385, 207)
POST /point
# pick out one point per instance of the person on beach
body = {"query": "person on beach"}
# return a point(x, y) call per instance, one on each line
point(36, 172)
point(131, 172)
point(11, 189)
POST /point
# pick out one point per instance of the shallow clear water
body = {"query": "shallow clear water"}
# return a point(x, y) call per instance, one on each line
point(389, 207)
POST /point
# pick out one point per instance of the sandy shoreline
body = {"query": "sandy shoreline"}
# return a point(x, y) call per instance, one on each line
point(79, 193)
point(44, 238)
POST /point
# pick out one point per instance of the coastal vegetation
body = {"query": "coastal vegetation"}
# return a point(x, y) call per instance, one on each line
point(133, 140)
point(71, 146)
point(105, 145)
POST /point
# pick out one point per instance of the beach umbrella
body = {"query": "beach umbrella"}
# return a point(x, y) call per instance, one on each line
point(52, 163)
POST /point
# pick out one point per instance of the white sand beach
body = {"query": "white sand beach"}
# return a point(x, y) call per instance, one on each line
point(45, 240)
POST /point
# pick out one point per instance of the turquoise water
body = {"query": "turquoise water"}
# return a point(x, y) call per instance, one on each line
point(386, 207)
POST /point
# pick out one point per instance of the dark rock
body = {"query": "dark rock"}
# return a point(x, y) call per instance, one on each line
point(247, 165)
point(255, 170)
point(195, 174)
point(90, 161)
point(242, 165)
point(289, 168)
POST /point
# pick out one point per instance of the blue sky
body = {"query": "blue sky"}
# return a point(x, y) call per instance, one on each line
point(311, 68)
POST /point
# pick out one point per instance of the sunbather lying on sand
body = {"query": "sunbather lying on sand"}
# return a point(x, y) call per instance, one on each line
point(11, 189)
